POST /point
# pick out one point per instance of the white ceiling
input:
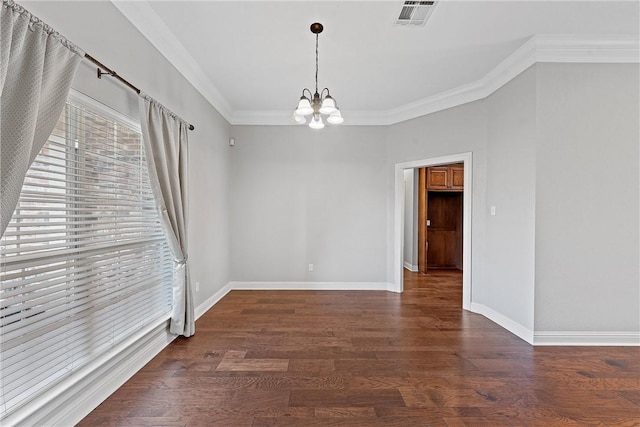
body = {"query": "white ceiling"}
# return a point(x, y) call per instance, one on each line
point(259, 55)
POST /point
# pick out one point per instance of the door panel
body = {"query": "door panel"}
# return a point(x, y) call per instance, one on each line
point(442, 249)
point(438, 178)
point(457, 178)
point(445, 216)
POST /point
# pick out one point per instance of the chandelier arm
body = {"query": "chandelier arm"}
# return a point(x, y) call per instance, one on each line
point(310, 94)
point(322, 96)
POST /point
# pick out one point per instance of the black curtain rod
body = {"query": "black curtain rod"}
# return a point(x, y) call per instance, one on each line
point(108, 71)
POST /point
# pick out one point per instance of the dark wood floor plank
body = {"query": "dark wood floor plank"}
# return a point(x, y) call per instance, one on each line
point(344, 412)
point(208, 421)
point(346, 398)
point(350, 358)
point(348, 422)
point(153, 421)
point(259, 365)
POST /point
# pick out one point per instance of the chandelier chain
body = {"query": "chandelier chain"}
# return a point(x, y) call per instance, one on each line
point(316, 63)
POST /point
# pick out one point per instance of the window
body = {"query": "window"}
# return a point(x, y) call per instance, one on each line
point(84, 262)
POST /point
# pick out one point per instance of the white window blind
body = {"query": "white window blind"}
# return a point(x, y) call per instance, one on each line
point(84, 261)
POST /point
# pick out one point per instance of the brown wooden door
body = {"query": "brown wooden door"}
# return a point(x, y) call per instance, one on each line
point(444, 235)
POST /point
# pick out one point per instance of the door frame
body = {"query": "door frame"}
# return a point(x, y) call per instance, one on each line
point(423, 208)
point(398, 219)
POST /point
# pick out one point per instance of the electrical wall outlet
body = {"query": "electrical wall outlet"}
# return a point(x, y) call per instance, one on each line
point(197, 286)
point(310, 267)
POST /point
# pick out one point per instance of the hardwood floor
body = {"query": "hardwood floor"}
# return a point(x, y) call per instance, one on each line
point(332, 358)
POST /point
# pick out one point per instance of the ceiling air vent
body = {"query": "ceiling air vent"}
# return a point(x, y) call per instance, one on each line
point(415, 12)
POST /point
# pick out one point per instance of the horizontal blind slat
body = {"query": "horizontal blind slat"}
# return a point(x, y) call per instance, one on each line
point(26, 221)
point(24, 261)
point(72, 237)
point(51, 171)
point(69, 296)
point(103, 319)
point(62, 316)
point(95, 154)
point(127, 222)
point(23, 297)
point(37, 278)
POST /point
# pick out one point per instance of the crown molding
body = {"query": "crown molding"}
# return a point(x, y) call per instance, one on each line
point(541, 48)
point(147, 21)
point(606, 49)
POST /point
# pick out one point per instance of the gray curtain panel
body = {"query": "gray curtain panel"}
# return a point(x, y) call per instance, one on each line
point(165, 141)
point(37, 66)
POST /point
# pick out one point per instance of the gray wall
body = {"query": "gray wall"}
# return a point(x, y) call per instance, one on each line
point(99, 29)
point(308, 197)
point(508, 282)
point(587, 181)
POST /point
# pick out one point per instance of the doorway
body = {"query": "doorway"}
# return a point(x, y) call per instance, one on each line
point(440, 217)
point(397, 284)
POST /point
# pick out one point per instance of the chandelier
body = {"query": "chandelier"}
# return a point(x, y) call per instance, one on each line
point(320, 103)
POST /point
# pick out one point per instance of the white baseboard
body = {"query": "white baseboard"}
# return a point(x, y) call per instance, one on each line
point(76, 400)
point(586, 338)
point(212, 300)
point(310, 286)
point(410, 267)
point(502, 320)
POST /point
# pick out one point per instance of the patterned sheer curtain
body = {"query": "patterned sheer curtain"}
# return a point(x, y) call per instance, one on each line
point(165, 140)
point(37, 66)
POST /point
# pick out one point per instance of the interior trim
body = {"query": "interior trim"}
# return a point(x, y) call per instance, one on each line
point(310, 286)
point(396, 276)
point(586, 338)
point(507, 323)
point(211, 301)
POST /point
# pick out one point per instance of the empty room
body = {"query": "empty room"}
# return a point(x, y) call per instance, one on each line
point(320, 213)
